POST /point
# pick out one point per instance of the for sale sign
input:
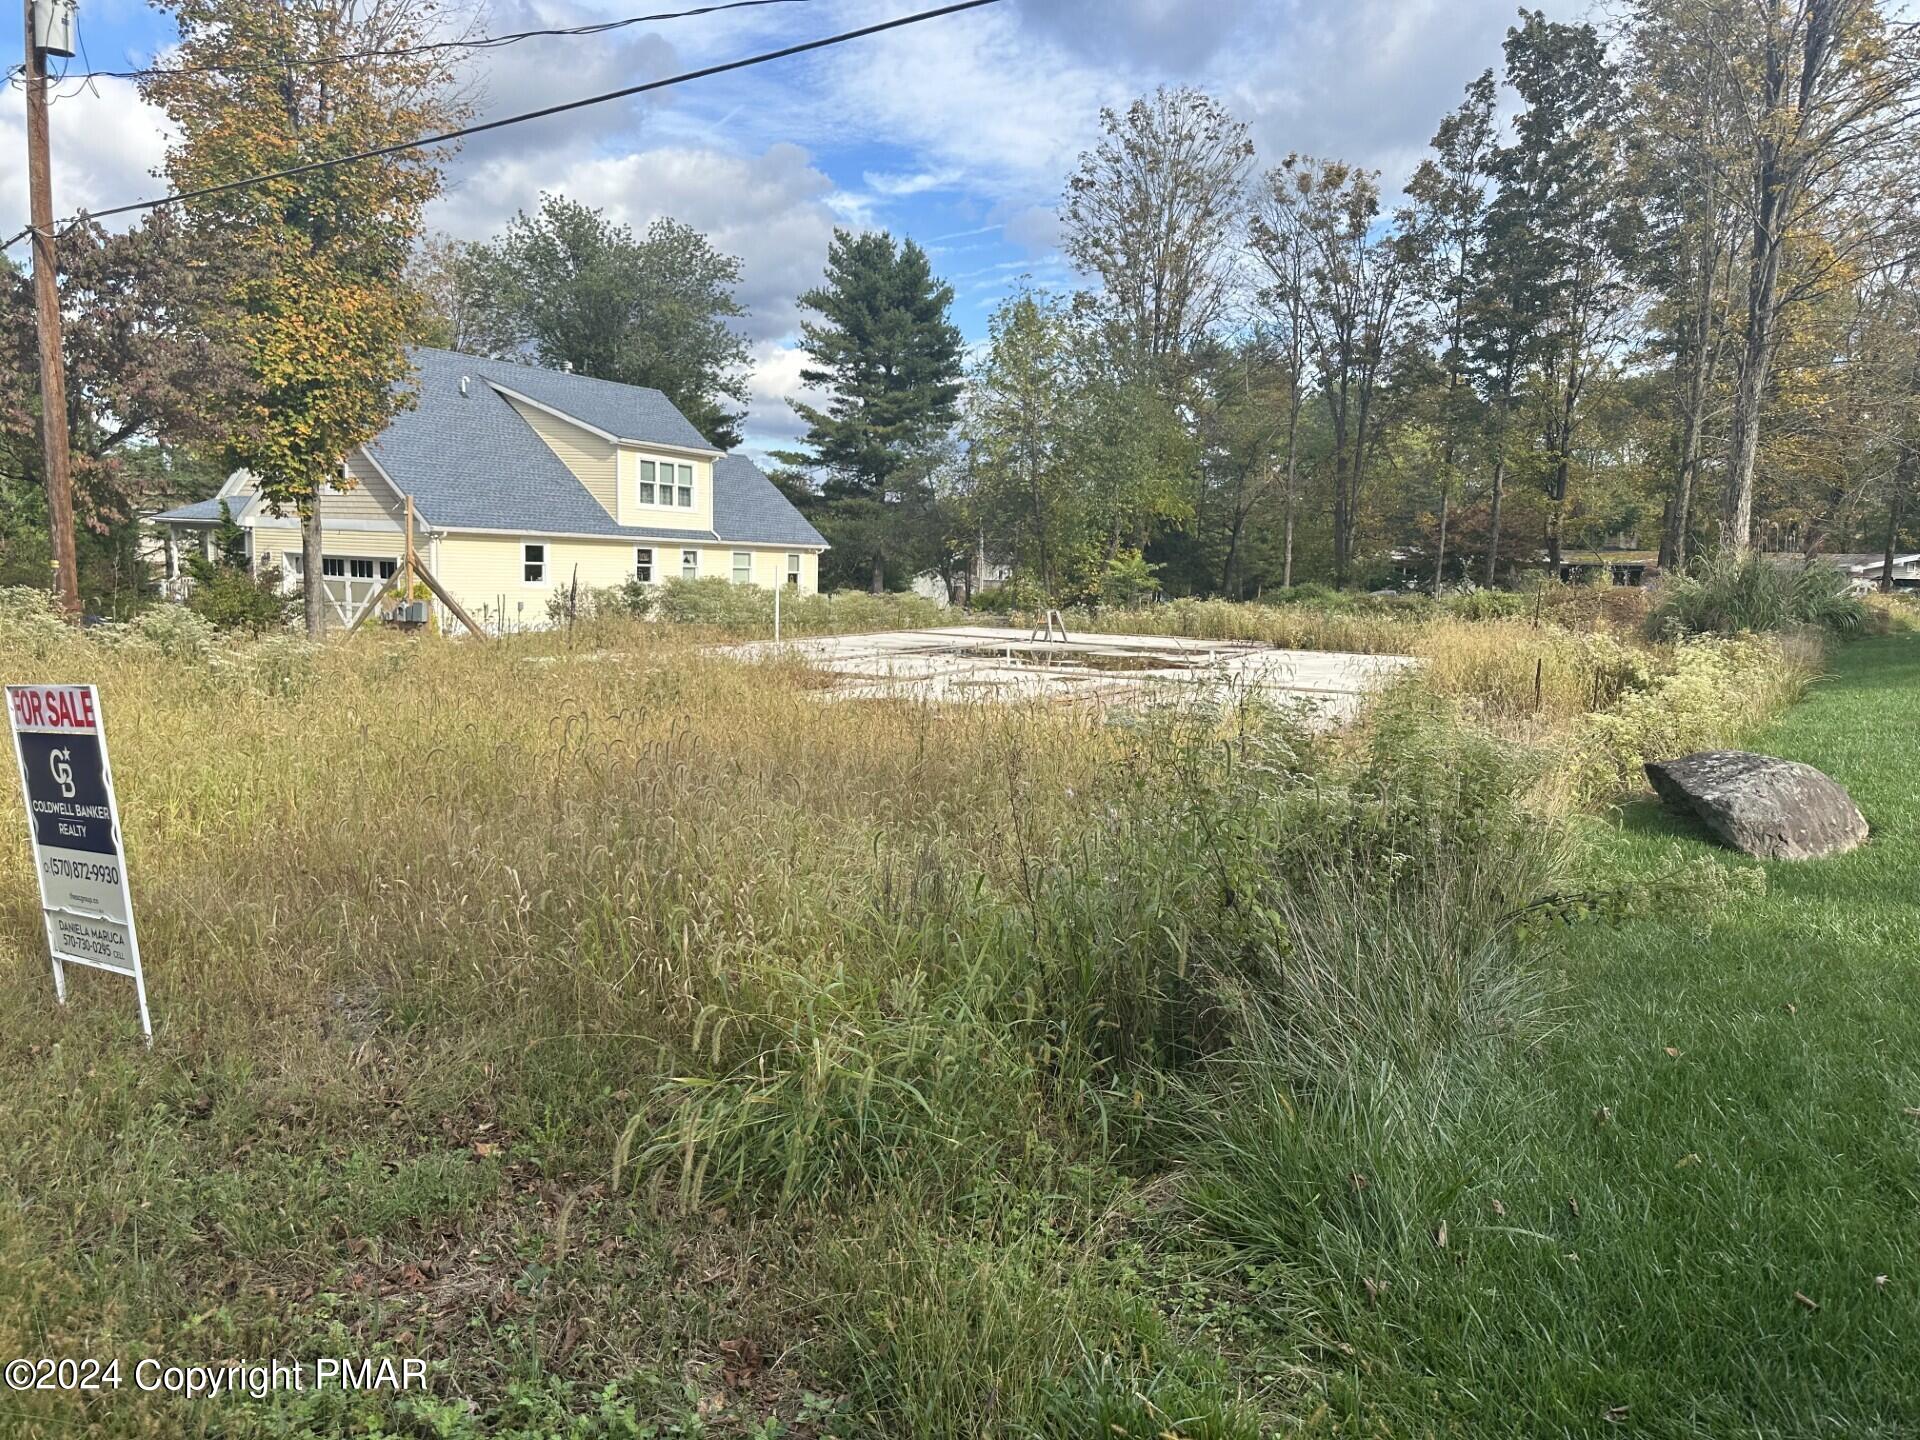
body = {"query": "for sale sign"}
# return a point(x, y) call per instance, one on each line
point(61, 744)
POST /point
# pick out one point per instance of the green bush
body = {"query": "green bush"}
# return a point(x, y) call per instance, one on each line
point(1730, 594)
point(233, 599)
point(30, 621)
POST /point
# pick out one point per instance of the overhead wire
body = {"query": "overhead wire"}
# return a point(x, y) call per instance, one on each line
point(428, 47)
point(448, 136)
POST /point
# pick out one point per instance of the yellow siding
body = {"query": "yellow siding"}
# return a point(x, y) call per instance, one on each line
point(584, 453)
point(273, 542)
point(666, 517)
point(485, 573)
point(371, 502)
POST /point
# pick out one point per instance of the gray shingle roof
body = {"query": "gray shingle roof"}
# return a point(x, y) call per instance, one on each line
point(626, 412)
point(748, 506)
point(204, 511)
point(470, 461)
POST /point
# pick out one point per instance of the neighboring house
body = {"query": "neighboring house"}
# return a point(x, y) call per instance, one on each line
point(1864, 571)
point(987, 575)
point(523, 481)
point(1862, 568)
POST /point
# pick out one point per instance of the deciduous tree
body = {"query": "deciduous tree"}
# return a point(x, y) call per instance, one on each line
point(322, 316)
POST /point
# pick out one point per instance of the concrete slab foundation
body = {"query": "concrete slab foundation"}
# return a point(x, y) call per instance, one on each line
point(991, 663)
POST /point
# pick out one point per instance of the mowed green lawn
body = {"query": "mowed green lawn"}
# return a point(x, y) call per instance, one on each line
point(1696, 1211)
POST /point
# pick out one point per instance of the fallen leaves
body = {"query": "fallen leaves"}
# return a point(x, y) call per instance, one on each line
point(743, 1361)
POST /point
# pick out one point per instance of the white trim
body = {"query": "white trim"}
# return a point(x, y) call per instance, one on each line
point(706, 538)
point(290, 522)
point(592, 429)
point(399, 496)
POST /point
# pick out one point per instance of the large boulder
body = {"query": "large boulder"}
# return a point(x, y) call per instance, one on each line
point(1761, 805)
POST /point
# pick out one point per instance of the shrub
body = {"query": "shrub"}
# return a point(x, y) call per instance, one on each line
point(30, 621)
point(173, 632)
point(1730, 594)
point(1714, 689)
point(233, 599)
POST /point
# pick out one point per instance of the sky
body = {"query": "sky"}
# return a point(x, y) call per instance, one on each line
point(959, 132)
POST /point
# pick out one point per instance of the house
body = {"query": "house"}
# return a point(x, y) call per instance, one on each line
point(1863, 571)
point(981, 574)
point(525, 481)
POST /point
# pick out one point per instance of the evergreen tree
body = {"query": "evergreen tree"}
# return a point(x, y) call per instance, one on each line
point(889, 358)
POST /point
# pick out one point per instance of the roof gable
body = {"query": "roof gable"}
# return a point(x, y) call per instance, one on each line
point(472, 462)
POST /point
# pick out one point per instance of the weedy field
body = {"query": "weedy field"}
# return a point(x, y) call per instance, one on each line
point(658, 1051)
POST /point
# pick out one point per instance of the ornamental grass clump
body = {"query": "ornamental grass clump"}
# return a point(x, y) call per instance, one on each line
point(1751, 593)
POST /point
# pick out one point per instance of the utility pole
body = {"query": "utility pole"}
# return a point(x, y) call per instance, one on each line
point(46, 300)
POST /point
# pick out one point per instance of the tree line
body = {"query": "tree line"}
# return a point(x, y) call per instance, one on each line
point(1651, 286)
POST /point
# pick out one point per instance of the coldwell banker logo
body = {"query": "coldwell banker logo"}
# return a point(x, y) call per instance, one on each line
point(61, 763)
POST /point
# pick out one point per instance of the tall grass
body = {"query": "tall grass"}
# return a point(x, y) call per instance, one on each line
point(902, 1021)
point(1751, 593)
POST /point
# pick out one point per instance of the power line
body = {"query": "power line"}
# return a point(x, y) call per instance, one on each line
point(448, 136)
point(482, 42)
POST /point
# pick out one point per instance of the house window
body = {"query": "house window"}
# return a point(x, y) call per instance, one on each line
point(793, 570)
point(533, 562)
point(360, 569)
point(333, 566)
point(387, 567)
point(643, 565)
point(742, 567)
point(686, 487)
point(646, 482)
point(689, 564)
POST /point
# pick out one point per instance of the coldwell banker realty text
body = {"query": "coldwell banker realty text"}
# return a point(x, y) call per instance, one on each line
point(61, 743)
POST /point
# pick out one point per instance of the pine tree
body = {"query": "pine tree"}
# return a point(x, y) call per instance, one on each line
point(889, 359)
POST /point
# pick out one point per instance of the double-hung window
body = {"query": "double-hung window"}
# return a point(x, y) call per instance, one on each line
point(643, 565)
point(742, 567)
point(662, 482)
point(533, 562)
point(793, 570)
point(689, 564)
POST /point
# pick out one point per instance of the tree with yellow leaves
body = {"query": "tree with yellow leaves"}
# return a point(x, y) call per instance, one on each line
point(322, 317)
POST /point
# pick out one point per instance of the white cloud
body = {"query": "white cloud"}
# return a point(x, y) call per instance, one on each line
point(105, 148)
point(771, 423)
point(773, 210)
point(919, 182)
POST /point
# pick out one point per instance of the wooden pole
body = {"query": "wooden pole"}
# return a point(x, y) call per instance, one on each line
point(406, 569)
point(46, 304)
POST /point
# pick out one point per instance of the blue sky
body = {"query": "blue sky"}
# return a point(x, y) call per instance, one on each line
point(959, 132)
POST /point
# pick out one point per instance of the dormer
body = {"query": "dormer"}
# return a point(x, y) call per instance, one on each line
point(638, 482)
point(664, 487)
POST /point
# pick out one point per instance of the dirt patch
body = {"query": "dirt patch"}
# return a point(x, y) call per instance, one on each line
point(1105, 661)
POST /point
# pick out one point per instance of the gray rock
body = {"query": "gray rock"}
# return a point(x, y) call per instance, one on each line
point(1761, 805)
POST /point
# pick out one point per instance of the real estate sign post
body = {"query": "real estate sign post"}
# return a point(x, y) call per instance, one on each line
point(60, 740)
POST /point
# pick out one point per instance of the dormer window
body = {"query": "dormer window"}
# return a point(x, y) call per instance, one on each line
point(663, 482)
